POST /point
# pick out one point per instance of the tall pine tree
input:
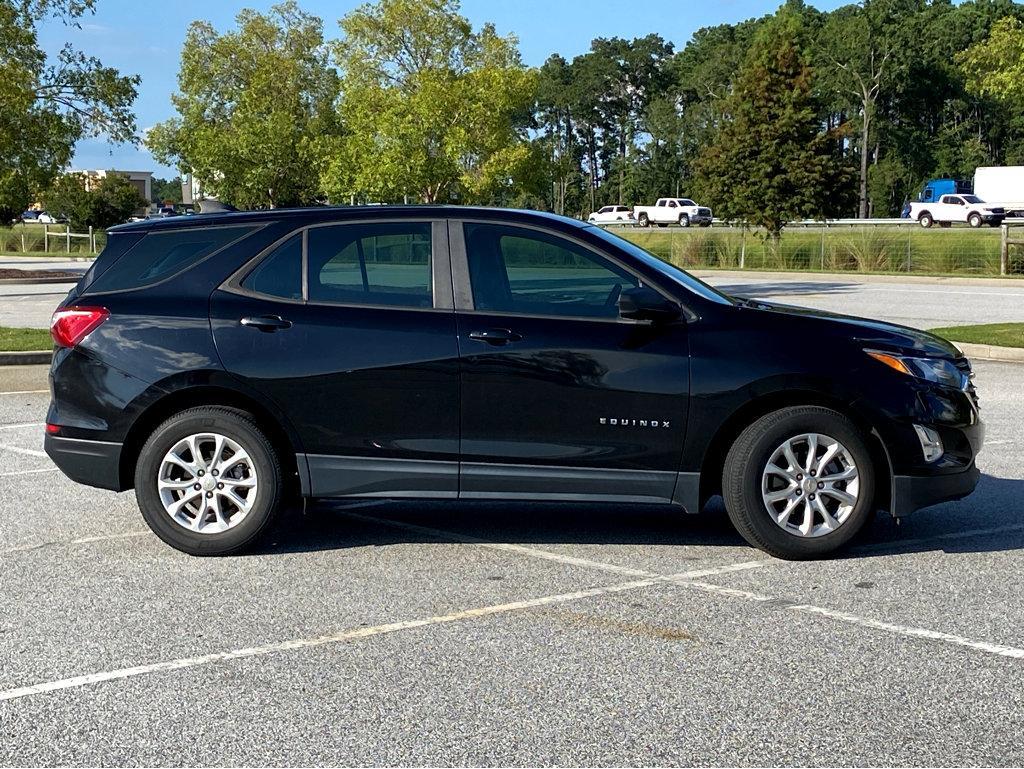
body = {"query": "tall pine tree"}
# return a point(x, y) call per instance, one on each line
point(772, 160)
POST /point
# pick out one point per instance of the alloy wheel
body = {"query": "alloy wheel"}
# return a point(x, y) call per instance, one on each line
point(810, 485)
point(207, 483)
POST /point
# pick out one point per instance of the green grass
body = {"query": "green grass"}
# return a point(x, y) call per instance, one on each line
point(999, 334)
point(957, 251)
point(28, 239)
point(22, 339)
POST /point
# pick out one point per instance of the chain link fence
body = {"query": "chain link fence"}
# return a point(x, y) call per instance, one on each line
point(937, 251)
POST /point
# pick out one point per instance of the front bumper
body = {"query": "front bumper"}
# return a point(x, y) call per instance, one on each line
point(92, 463)
point(912, 492)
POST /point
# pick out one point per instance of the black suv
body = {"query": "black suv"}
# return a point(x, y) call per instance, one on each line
point(222, 364)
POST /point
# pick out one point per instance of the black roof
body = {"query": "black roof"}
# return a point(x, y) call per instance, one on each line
point(304, 216)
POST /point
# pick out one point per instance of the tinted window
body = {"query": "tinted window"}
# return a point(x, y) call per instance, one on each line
point(280, 273)
point(386, 263)
point(513, 269)
point(160, 255)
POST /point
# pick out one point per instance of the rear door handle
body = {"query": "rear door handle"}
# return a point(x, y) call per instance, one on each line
point(266, 322)
point(495, 336)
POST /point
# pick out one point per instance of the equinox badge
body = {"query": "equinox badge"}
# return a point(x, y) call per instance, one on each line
point(633, 422)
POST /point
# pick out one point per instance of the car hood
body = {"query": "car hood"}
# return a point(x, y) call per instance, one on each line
point(870, 333)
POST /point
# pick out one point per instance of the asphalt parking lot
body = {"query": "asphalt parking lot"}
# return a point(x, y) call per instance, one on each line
point(412, 633)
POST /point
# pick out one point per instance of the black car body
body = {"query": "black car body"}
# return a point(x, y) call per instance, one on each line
point(447, 352)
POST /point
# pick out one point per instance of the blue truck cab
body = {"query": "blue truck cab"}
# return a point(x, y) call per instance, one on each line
point(936, 188)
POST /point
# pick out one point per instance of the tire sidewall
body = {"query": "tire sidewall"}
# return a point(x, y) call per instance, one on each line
point(256, 445)
point(925, 220)
point(779, 541)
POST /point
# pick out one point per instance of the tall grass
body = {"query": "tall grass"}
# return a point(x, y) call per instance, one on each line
point(853, 249)
point(28, 239)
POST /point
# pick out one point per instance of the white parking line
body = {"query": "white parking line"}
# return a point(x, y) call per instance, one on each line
point(912, 632)
point(29, 472)
point(333, 638)
point(24, 392)
point(534, 552)
point(19, 450)
point(696, 584)
point(78, 541)
point(22, 425)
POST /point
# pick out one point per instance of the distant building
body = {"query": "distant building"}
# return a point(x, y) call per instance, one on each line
point(143, 180)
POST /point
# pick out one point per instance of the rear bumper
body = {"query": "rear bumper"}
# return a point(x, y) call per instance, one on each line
point(912, 492)
point(93, 463)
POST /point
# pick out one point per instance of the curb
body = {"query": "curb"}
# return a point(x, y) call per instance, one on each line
point(37, 281)
point(28, 358)
point(991, 352)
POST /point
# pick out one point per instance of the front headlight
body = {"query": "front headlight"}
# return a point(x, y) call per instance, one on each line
point(938, 370)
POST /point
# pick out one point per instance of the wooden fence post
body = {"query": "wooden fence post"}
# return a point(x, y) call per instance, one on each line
point(743, 245)
point(46, 238)
point(92, 240)
point(1004, 248)
point(67, 236)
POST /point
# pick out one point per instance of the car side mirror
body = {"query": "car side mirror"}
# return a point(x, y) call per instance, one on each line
point(647, 304)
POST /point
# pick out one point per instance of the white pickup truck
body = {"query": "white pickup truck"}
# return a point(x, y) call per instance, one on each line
point(957, 208)
point(666, 211)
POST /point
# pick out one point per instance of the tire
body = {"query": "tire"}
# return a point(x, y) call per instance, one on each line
point(746, 470)
point(643, 221)
point(925, 220)
point(259, 474)
point(684, 220)
point(974, 220)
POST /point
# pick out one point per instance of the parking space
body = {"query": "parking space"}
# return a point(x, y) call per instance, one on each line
point(429, 633)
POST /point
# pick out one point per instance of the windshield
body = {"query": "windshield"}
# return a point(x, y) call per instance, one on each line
point(683, 278)
point(972, 199)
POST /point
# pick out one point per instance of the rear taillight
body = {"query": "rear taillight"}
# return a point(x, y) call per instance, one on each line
point(69, 327)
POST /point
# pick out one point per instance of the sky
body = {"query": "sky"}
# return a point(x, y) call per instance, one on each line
point(146, 39)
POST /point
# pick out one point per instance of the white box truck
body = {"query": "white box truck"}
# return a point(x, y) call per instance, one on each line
point(1001, 186)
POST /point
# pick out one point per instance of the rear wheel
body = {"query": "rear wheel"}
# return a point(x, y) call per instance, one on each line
point(799, 482)
point(208, 481)
point(925, 220)
point(643, 221)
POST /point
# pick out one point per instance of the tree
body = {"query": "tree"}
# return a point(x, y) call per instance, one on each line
point(995, 66)
point(255, 106)
point(772, 160)
point(167, 190)
point(89, 203)
point(860, 43)
point(432, 109)
point(46, 106)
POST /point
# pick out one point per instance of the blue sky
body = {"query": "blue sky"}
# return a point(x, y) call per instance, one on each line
point(146, 39)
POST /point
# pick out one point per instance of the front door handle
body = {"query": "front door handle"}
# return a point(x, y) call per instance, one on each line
point(495, 336)
point(266, 322)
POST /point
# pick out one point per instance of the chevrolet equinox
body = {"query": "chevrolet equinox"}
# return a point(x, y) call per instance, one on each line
point(224, 364)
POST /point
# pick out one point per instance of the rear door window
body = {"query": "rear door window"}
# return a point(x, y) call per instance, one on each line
point(386, 263)
point(163, 254)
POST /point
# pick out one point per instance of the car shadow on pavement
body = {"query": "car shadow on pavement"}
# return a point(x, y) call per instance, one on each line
point(786, 288)
point(990, 520)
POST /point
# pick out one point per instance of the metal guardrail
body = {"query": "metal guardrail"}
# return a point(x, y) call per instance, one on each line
point(826, 223)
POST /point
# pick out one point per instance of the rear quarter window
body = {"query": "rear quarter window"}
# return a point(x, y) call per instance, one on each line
point(164, 253)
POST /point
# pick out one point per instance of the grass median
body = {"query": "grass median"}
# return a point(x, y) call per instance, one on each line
point(996, 334)
point(24, 339)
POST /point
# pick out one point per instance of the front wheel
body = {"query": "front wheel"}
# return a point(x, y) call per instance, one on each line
point(208, 481)
point(974, 220)
point(684, 220)
point(799, 482)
